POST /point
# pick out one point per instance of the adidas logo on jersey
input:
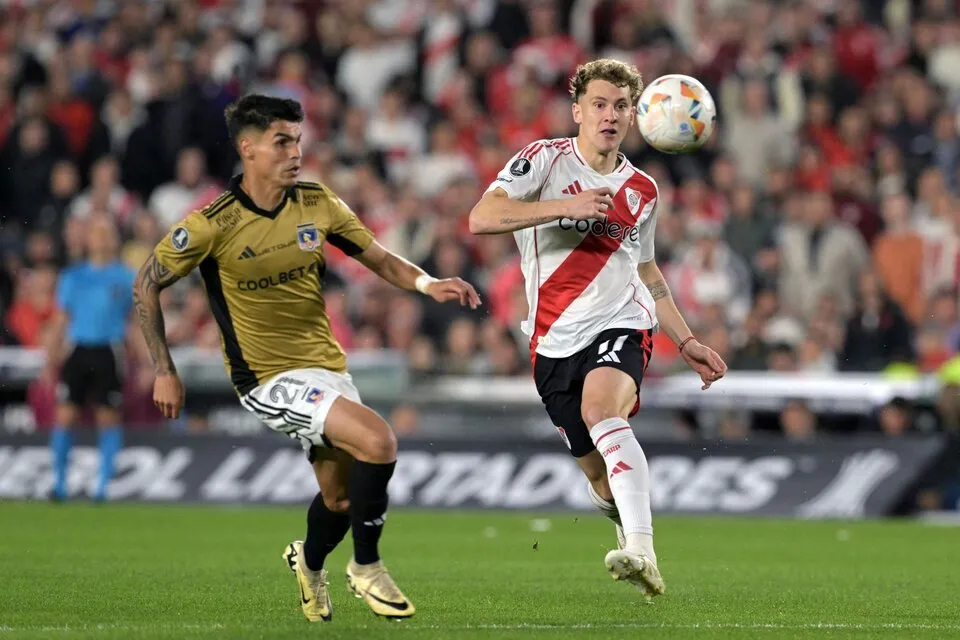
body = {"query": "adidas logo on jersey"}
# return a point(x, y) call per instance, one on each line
point(573, 189)
point(247, 253)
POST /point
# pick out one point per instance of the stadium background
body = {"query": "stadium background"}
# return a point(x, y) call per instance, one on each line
point(814, 243)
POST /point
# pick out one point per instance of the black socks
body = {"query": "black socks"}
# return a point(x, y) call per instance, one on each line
point(368, 507)
point(325, 530)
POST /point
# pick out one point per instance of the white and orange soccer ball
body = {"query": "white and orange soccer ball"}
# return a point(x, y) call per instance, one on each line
point(676, 114)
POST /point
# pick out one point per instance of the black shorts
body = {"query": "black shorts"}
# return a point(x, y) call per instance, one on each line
point(560, 380)
point(91, 376)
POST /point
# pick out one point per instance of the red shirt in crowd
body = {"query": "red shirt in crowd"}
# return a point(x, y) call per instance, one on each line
point(76, 118)
point(27, 321)
point(857, 48)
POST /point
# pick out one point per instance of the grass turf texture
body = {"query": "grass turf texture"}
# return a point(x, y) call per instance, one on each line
point(118, 571)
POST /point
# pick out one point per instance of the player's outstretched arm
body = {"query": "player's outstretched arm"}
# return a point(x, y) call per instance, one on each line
point(406, 275)
point(701, 358)
point(168, 393)
point(497, 212)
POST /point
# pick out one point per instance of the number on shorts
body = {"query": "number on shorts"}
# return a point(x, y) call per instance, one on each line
point(278, 391)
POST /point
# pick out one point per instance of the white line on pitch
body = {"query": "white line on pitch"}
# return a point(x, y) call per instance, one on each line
point(113, 626)
point(909, 626)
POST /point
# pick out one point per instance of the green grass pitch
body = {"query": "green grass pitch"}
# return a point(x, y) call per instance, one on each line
point(120, 571)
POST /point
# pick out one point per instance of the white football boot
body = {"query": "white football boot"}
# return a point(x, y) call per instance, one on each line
point(637, 569)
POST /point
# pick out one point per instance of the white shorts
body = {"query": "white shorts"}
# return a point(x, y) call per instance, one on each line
point(297, 403)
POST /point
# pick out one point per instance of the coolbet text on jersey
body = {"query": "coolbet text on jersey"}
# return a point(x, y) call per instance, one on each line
point(263, 272)
point(581, 275)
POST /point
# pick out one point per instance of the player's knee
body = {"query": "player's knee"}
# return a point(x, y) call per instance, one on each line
point(107, 417)
point(380, 445)
point(66, 416)
point(337, 502)
point(594, 412)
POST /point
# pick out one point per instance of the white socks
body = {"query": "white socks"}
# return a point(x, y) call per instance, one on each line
point(606, 507)
point(610, 510)
point(629, 480)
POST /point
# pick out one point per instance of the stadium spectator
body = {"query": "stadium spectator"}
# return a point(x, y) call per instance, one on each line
point(40, 249)
point(734, 426)
point(938, 334)
point(853, 199)
point(550, 52)
point(898, 257)
point(33, 309)
point(64, 186)
point(813, 356)
point(405, 420)
point(121, 116)
point(403, 323)
point(752, 350)
point(798, 422)
point(757, 136)
point(395, 132)
point(501, 356)
point(878, 334)
point(33, 148)
point(460, 350)
point(85, 135)
point(443, 164)
point(819, 254)
point(171, 202)
point(894, 418)
point(144, 235)
point(106, 195)
point(948, 400)
point(193, 326)
point(750, 234)
point(710, 273)
point(820, 77)
point(370, 63)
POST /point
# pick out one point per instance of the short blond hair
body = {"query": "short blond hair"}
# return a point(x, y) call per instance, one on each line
point(617, 73)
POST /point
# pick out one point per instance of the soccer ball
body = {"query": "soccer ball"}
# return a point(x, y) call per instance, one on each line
point(676, 114)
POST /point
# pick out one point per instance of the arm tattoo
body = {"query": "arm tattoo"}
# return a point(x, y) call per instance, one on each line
point(658, 290)
point(523, 223)
point(152, 279)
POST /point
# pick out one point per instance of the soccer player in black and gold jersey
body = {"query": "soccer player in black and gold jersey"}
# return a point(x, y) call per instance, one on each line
point(259, 248)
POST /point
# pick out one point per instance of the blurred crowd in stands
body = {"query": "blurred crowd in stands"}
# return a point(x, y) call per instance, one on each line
point(818, 231)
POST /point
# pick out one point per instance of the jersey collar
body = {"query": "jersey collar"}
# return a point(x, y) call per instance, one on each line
point(247, 202)
point(621, 159)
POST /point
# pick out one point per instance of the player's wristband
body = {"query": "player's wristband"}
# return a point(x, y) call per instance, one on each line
point(683, 343)
point(423, 282)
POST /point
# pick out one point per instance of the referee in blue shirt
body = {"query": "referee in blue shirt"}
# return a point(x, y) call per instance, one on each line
point(95, 299)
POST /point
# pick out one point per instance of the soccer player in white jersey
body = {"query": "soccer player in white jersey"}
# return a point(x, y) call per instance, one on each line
point(584, 220)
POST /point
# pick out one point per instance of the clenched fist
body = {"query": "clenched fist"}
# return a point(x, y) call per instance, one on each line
point(591, 204)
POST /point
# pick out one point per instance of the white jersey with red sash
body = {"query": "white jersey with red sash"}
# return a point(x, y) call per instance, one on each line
point(581, 275)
